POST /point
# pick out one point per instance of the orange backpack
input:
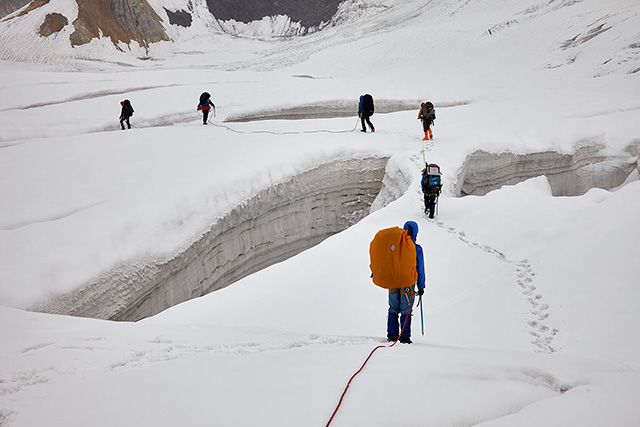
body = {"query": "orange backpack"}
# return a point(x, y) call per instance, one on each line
point(393, 259)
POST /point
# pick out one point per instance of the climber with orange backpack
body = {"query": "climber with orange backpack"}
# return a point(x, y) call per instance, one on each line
point(427, 114)
point(397, 264)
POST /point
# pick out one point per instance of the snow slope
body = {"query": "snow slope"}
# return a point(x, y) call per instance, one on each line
point(530, 312)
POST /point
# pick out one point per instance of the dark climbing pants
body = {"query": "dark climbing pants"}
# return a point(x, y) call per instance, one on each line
point(430, 201)
point(125, 119)
point(426, 124)
point(364, 118)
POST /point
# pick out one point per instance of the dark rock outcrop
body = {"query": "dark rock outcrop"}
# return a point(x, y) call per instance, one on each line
point(10, 6)
point(179, 17)
point(53, 23)
point(121, 20)
point(310, 13)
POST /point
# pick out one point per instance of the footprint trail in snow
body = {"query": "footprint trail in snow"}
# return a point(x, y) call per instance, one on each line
point(541, 332)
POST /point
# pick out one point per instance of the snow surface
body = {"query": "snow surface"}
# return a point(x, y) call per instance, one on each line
point(530, 311)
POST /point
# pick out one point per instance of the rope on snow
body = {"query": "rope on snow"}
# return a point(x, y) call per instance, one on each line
point(365, 362)
point(273, 132)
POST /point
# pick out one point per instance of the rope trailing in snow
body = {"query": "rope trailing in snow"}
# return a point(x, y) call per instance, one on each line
point(365, 362)
point(273, 132)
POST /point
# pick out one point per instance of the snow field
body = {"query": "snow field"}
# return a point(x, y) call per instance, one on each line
point(530, 309)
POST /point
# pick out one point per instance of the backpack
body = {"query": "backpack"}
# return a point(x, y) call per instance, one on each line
point(367, 105)
point(427, 110)
point(204, 97)
point(432, 182)
point(393, 259)
point(127, 109)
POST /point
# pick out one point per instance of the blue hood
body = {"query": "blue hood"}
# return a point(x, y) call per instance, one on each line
point(412, 227)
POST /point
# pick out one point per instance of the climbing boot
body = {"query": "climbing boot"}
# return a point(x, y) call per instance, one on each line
point(426, 136)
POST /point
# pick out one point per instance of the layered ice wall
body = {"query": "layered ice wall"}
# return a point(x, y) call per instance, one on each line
point(332, 109)
point(271, 226)
point(568, 174)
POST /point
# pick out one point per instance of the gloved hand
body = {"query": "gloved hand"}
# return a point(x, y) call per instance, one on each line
point(420, 292)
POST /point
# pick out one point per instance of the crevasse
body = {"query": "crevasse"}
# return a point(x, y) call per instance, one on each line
point(273, 225)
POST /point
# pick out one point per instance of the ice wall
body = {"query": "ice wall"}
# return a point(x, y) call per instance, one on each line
point(270, 227)
point(568, 174)
point(331, 109)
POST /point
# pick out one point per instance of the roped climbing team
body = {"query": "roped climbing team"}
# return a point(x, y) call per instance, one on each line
point(366, 108)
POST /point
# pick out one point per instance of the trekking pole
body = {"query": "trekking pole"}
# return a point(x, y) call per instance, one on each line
point(421, 315)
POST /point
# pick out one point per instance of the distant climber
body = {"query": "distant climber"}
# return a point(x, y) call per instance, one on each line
point(126, 113)
point(431, 187)
point(397, 264)
point(427, 114)
point(365, 110)
point(205, 105)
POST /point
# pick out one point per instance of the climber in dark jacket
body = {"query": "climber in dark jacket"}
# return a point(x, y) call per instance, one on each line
point(126, 113)
point(365, 110)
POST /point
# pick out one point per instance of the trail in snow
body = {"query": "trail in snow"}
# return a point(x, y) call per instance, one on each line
point(537, 324)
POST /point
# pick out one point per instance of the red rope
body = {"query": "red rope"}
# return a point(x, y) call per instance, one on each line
point(365, 362)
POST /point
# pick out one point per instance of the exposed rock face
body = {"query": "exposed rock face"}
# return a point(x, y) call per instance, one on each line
point(121, 20)
point(273, 225)
point(310, 13)
point(53, 23)
point(10, 6)
point(126, 21)
point(179, 17)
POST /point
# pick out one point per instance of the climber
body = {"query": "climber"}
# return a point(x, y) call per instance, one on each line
point(205, 105)
point(365, 110)
point(427, 114)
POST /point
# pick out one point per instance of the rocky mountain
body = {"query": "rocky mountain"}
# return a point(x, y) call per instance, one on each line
point(309, 13)
point(73, 23)
point(120, 20)
point(10, 6)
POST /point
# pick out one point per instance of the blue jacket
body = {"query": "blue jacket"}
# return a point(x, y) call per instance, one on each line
point(365, 106)
point(412, 227)
point(206, 105)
